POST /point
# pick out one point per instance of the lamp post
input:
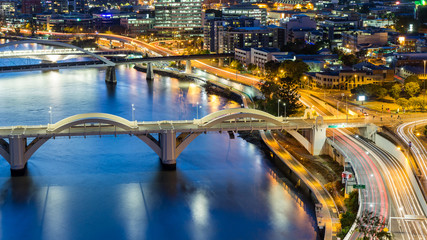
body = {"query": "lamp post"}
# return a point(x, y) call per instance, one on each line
point(284, 104)
point(133, 112)
point(198, 110)
point(346, 108)
point(424, 96)
point(50, 115)
point(278, 109)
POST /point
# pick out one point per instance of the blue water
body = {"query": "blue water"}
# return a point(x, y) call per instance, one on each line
point(115, 188)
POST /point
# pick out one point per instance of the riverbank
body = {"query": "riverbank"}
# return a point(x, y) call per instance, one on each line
point(211, 87)
point(324, 205)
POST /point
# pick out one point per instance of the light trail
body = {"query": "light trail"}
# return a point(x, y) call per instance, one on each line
point(404, 199)
point(406, 132)
point(374, 197)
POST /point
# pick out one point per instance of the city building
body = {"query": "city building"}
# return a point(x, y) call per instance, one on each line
point(345, 79)
point(247, 37)
point(297, 27)
point(252, 11)
point(178, 17)
point(141, 24)
point(81, 6)
point(243, 55)
point(31, 6)
point(259, 56)
point(215, 27)
point(354, 41)
point(7, 9)
point(333, 28)
point(411, 43)
point(53, 6)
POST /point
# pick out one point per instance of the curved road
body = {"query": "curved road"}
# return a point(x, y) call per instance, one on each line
point(406, 132)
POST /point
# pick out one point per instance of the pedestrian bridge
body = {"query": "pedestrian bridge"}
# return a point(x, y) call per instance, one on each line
point(166, 138)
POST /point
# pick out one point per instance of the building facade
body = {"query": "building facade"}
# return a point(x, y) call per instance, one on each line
point(178, 18)
point(252, 11)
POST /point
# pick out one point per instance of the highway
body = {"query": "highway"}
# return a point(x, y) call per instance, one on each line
point(406, 132)
point(374, 197)
point(392, 194)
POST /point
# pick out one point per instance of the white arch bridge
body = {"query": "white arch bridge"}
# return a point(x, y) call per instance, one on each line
point(166, 138)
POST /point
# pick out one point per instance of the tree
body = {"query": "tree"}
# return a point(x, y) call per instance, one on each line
point(412, 78)
point(402, 102)
point(370, 90)
point(349, 59)
point(251, 67)
point(412, 88)
point(372, 226)
point(283, 89)
point(416, 102)
point(395, 91)
point(236, 65)
point(294, 69)
point(381, 92)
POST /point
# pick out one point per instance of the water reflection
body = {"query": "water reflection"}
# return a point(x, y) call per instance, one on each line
point(114, 188)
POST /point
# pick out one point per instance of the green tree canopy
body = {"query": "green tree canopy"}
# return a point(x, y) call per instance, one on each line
point(283, 89)
point(395, 91)
point(370, 91)
point(402, 102)
point(349, 59)
point(412, 78)
point(412, 88)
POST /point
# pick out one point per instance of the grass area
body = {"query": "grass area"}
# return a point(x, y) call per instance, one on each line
point(378, 105)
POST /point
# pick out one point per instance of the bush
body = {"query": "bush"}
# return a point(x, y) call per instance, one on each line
point(347, 219)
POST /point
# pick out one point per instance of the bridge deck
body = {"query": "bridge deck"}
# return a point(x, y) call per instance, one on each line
point(163, 126)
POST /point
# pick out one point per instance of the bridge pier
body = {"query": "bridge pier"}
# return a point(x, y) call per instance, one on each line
point(318, 139)
point(313, 140)
point(368, 131)
point(150, 73)
point(17, 152)
point(110, 75)
point(221, 62)
point(18, 163)
point(168, 148)
point(188, 66)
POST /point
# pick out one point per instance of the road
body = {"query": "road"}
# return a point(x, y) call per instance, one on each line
point(328, 215)
point(374, 198)
point(406, 132)
point(389, 191)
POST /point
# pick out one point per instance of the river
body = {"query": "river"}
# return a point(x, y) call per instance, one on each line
point(115, 188)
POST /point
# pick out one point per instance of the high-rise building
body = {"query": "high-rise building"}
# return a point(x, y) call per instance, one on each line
point(54, 6)
point(78, 6)
point(31, 6)
point(179, 17)
point(246, 10)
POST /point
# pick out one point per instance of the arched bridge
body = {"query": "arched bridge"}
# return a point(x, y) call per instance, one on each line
point(97, 59)
point(166, 138)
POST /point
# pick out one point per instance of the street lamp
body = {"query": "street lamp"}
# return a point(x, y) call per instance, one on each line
point(424, 96)
point(133, 112)
point(50, 115)
point(278, 105)
point(198, 110)
point(284, 104)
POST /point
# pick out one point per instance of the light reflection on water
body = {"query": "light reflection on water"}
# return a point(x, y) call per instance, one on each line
point(114, 188)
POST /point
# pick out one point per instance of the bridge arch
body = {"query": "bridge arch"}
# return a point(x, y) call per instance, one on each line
point(91, 118)
point(59, 44)
point(235, 113)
